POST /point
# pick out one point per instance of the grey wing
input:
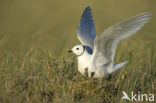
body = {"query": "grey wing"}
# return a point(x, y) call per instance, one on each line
point(106, 43)
point(86, 29)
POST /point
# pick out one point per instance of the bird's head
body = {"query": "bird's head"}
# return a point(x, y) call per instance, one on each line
point(78, 50)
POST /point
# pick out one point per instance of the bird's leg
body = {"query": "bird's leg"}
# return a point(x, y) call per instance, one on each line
point(86, 72)
point(92, 74)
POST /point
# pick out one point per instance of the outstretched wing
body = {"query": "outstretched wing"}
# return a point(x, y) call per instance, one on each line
point(86, 29)
point(106, 43)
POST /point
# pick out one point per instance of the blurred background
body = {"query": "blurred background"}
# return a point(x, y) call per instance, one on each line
point(51, 24)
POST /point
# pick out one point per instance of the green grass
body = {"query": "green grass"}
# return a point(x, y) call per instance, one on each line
point(34, 64)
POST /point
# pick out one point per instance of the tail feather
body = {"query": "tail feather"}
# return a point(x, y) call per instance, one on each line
point(120, 65)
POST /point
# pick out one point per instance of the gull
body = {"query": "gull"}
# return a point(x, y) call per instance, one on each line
point(96, 53)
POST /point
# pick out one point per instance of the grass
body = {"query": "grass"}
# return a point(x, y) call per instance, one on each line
point(34, 64)
point(39, 77)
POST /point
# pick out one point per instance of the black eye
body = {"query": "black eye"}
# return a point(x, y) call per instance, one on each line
point(77, 48)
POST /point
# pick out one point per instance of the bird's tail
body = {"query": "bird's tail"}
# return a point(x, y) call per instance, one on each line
point(118, 66)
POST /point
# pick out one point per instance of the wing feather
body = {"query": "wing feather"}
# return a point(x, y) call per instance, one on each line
point(86, 29)
point(105, 44)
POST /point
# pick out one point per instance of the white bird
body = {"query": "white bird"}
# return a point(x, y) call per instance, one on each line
point(96, 53)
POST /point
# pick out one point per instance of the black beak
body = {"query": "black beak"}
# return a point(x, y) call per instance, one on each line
point(69, 51)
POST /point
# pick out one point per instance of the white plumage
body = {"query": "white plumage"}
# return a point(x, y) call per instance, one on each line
point(97, 52)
